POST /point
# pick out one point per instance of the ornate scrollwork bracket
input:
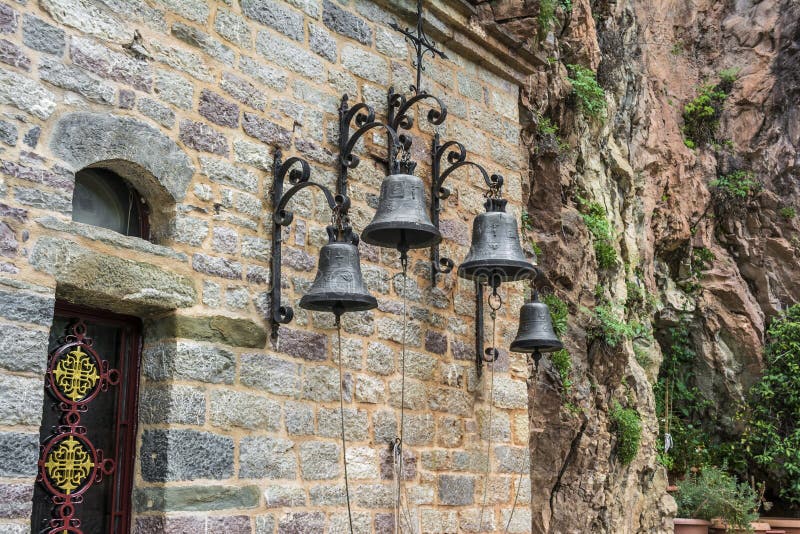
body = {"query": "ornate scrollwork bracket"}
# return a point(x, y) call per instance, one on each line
point(363, 117)
point(298, 173)
point(456, 158)
point(399, 118)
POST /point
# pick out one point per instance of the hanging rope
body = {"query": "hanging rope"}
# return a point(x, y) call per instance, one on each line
point(514, 506)
point(341, 414)
point(495, 302)
point(397, 451)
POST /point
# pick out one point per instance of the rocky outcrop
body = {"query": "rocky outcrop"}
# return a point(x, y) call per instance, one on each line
point(651, 57)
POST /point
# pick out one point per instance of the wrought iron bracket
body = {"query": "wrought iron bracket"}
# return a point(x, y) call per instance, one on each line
point(456, 158)
point(399, 119)
point(298, 173)
point(363, 117)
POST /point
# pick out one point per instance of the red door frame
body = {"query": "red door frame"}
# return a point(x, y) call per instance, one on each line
point(125, 430)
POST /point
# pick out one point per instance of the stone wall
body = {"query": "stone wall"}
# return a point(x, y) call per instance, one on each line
point(236, 433)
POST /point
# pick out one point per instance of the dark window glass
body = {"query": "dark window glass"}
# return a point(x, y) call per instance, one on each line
point(109, 420)
point(103, 198)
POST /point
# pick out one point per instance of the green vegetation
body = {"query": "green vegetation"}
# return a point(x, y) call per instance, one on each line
point(788, 212)
point(771, 439)
point(591, 97)
point(714, 493)
point(628, 428)
point(600, 227)
point(559, 312)
point(701, 116)
point(526, 223)
point(728, 76)
point(613, 330)
point(547, 14)
point(731, 193)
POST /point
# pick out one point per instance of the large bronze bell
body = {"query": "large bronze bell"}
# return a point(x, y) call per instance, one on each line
point(535, 332)
point(401, 220)
point(339, 287)
point(496, 254)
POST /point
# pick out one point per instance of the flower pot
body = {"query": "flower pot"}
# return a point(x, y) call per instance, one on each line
point(691, 526)
point(791, 526)
point(719, 527)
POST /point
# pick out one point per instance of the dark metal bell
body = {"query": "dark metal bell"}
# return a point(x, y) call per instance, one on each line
point(339, 287)
point(496, 254)
point(535, 332)
point(401, 220)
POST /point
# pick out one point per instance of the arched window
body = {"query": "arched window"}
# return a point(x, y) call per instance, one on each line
point(103, 198)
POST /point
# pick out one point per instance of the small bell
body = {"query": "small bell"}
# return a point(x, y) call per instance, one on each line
point(339, 286)
point(535, 332)
point(496, 254)
point(401, 221)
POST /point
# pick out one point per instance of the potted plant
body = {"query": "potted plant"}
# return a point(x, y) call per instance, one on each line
point(712, 493)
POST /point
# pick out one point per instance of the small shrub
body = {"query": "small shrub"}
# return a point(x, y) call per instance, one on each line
point(732, 192)
point(788, 212)
point(714, 493)
point(563, 364)
point(591, 97)
point(627, 426)
point(558, 313)
point(599, 226)
point(547, 14)
point(701, 116)
point(772, 417)
point(613, 330)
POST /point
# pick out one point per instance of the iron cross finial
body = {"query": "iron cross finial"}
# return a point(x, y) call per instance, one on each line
point(422, 44)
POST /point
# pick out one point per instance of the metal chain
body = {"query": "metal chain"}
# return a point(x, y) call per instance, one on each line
point(495, 303)
point(341, 414)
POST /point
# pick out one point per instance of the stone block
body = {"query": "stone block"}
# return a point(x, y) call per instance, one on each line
point(19, 453)
point(189, 230)
point(94, 57)
point(188, 360)
point(456, 490)
point(195, 498)
point(264, 457)
point(39, 35)
point(236, 409)
point(321, 384)
point(77, 80)
point(23, 348)
point(322, 43)
point(8, 133)
point(299, 418)
point(202, 137)
point(214, 329)
point(26, 94)
point(356, 424)
point(233, 27)
point(169, 455)
point(181, 59)
point(284, 496)
point(157, 111)
point(266, 131)
point(26, 307)
point(301, 522)
point(196, 10)
point(243, 91)
point(271, 374)
point(319, 460)
point(374, 495)
point(273, 14)
point(346, 23)
point(9, 19)
point(268, 75)
point(222, 172)
point(217, 266)
point(194, 37)
point(365, 64)
point(15, 501)
point(290, 56)
point(303, 344)
point(173, 404)
point(13, 55)
point(89, 18)
point(174, 89)
point(21, 402)
point(510, 393)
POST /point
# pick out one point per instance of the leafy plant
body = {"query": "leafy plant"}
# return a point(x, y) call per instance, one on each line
point(600, 227)
point(547, 14)
point(591, 97)
point(627, 426)
point(563, 364)
point(558, 312)
point(611, 329)
point(526, 223)
point(701, 116)
point(772, 431)
point(788, 212)
point(732, 192)
point(712, 493)
point(728, 76)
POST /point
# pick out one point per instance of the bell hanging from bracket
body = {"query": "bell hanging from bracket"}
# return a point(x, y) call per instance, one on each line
point(495, 254)
point(535, 334)
point(339, 286)
point(401, 221)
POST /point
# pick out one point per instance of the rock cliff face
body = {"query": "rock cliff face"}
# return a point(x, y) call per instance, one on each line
point(651, 58)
